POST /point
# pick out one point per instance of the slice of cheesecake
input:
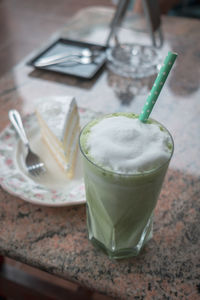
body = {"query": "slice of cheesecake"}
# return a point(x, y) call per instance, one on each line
point(59, 123)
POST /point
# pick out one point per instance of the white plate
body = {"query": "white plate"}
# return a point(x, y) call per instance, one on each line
point(51, 189)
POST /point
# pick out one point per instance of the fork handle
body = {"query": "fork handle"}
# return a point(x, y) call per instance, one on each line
point(16, 121)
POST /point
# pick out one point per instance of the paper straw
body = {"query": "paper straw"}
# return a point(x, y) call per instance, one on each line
point(157, 87)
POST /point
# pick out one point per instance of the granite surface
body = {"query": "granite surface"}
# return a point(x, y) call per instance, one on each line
point(55, 239)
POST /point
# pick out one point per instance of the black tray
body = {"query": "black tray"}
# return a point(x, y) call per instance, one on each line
point(69, 46)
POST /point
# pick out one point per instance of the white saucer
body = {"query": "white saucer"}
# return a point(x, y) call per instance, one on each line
point(51, 189)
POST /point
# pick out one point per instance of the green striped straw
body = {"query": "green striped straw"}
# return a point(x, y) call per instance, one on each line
point(157, 87)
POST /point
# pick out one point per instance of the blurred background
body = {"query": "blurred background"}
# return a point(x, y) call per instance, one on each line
point(26, 24)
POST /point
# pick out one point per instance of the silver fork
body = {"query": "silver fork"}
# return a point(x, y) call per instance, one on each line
point(33, 163)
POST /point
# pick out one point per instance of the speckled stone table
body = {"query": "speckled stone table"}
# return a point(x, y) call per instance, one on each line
point(55, 239)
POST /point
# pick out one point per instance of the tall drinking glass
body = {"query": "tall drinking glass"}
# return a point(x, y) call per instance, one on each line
point(120, 207)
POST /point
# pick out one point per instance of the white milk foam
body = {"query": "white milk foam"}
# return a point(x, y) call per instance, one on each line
point(126, 145)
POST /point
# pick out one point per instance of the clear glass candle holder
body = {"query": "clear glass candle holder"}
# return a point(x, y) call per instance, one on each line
point(132, 69)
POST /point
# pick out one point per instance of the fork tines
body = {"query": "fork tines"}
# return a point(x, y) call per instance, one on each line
point(36, 169)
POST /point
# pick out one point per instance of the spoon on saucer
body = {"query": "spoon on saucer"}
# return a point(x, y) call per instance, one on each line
point(85, 56)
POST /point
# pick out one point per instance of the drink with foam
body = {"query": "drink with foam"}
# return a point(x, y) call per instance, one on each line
point(125, 162)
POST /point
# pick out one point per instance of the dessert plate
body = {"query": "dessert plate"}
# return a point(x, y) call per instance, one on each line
point(52, 188)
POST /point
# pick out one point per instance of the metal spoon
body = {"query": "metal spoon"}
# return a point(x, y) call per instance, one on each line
point(85, 56)
point(77, 60)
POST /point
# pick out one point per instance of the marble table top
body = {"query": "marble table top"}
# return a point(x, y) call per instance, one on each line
point(55, 239)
